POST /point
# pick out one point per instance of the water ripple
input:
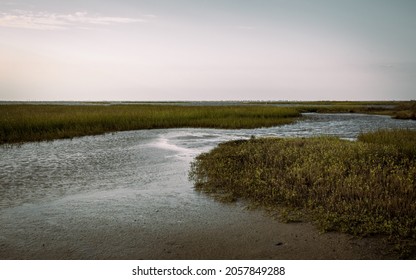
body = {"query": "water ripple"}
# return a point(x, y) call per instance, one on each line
point(136, 160)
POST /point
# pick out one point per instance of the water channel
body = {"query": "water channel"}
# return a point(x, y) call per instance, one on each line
point(126, 196)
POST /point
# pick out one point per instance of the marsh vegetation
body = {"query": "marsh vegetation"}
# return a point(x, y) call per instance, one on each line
point(396, 109)
point(37, 122)
point(62, 191)
point(365, 188)
point(22, 123)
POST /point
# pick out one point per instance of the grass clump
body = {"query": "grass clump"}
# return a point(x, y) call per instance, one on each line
point(22, 123)
point(363, 188)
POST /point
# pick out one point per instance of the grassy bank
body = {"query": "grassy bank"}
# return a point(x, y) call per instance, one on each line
point(37, 122)
point(363, 188)
point(406, 110)
point(396, 109)
point(22, 123)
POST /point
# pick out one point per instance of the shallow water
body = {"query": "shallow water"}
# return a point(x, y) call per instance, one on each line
point(127, 187)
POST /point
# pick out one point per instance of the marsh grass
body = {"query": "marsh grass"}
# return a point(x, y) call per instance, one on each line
point(364, 188)
point(403, 139)
point(22, 123)
point(38, 122)
point(406, 110)
point(396, 109)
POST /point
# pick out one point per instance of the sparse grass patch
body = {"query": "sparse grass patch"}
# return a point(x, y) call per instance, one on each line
point(363, 188)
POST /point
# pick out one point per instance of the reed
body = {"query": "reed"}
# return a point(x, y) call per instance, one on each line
point(22, 123)
point(364, 188)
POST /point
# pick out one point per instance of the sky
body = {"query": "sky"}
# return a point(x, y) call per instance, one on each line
point(153, 50)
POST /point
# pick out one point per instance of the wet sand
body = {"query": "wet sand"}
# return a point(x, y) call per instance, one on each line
point(218, 231)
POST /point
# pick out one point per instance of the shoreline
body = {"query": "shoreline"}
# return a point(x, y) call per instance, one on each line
point(244, 234)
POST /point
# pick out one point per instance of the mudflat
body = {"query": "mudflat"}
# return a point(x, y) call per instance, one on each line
point(228, 232)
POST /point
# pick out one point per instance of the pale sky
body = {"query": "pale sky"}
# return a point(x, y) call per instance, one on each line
point(150, 50)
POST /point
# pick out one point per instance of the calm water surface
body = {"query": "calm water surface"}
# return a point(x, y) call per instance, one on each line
point(61, 189)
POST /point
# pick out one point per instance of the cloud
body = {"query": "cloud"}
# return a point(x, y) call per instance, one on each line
point(52, 21)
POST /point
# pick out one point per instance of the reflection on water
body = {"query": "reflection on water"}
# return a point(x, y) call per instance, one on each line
point(133, 160)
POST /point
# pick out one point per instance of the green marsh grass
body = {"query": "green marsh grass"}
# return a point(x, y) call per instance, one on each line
point(364, 188)
point(22, 123)
point(37, 122)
